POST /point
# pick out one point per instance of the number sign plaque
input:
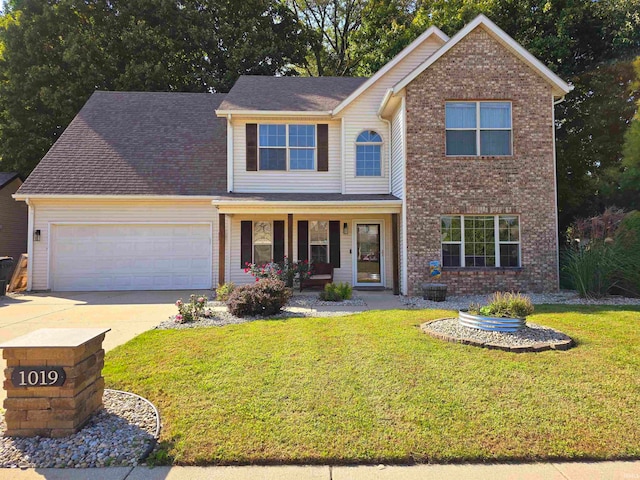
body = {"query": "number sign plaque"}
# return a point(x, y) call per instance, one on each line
point(38, 376)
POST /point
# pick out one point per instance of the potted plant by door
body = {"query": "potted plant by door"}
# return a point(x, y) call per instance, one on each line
point(505, 312)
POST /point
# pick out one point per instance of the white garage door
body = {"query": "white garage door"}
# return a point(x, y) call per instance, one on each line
point(130, 257)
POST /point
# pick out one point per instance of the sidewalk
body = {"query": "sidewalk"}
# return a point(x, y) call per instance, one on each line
point(528, 471)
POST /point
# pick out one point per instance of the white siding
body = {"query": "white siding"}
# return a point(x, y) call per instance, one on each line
point(290, 181)
point(50, 212)
point(397, 153)
point(343, 274)
point(362, 114)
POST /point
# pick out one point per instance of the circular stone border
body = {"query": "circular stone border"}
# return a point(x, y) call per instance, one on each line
point(534, 347)
point(87, 448)
point(156, 435)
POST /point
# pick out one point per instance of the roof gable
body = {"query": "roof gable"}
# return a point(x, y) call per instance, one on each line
point(432, 31)
point(560, 87)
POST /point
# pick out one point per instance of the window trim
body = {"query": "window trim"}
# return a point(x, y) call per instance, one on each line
point(355, 154)
point(497, 241)
point(287, 148)
point(253, 238)
point(328, 244)
point(478, 129)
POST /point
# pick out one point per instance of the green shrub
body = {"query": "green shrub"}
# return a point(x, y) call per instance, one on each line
point(223, 291)
point(504, 305)
point(192, 311)
point(591, 269)
point(262, 298)
point(627, 250)
point(336, 292)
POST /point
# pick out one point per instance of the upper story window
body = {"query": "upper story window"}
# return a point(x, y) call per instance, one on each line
point(287, 147)
point(480, 240)
point(368, 154)
point(483, 127)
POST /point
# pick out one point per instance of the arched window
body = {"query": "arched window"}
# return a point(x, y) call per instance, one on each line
point(368, 154)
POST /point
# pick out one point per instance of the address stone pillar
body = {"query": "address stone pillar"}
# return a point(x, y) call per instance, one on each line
point(53, 381)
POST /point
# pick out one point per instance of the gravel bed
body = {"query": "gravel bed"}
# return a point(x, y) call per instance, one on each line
point(118, 435)
point(457, 302)
point(314, 301)
point(529, 336)
point(222, 318)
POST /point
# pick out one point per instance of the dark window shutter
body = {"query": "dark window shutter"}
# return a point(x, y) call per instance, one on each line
point(334, 243)
point(278, 241)
point(252, 147)
point(246, 242)
point(303, 240)
point(323, 147)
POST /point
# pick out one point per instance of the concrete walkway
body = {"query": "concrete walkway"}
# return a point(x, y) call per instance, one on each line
point(527, 471)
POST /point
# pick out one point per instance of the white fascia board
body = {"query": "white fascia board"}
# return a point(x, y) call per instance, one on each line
point(274, 113)
point(28, 196)
point(560, 86)
point(319, 203)
point(433, 30)
point(309, 208)
point(385, 99)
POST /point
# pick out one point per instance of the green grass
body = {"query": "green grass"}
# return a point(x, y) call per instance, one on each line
point(372, 388)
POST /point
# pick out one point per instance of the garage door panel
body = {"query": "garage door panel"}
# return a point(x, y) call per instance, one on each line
point(131, 257)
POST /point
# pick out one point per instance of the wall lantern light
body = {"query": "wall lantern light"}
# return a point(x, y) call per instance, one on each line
point(345, 228)
point(36, 235)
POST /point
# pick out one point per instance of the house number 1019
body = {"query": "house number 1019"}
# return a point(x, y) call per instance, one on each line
point(38, 376)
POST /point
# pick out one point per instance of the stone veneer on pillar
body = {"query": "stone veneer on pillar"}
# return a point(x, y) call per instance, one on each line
point(53, 410)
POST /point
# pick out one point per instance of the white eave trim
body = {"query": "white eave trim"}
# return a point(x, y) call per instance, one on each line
point(319, 203)
point(28, 196)
point(274, 113)
point(385, 100)
point(433, 30)
point(560, 86)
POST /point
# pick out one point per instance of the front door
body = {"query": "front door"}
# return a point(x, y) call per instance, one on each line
point(368, 254)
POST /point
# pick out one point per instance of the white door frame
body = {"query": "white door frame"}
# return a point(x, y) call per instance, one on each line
point(354, 250)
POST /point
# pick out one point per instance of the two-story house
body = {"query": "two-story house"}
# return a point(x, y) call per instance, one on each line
point(447, 153)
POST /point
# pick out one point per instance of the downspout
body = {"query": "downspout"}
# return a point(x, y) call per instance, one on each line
point(343, 161)
point(405, 254)
point(229, 154)
point(30, 224)
point(388, 122)
point(555, 185)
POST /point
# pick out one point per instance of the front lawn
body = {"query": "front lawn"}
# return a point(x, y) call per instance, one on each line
point(371, 388)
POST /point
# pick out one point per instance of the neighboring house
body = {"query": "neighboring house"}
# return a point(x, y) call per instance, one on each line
point(447, 153)
point(13, 218)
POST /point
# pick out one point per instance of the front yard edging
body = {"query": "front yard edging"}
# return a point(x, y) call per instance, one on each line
point(536, 347)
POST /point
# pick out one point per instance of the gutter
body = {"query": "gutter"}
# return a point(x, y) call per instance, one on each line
point(275, 113)
point(26, 197)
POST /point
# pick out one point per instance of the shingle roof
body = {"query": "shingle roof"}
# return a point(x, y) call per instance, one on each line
point(138, 143)
point(6, 177)
point(306, 197)
point(254, 92)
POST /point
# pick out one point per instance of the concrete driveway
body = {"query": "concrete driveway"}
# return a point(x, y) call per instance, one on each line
point(127, 313)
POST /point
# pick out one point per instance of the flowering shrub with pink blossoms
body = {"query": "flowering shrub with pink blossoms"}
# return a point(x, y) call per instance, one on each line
point(191, 311)
point(286, 271)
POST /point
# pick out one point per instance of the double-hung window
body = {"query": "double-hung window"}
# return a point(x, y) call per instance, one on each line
point(319, 241)
point(368, 154)
point(478, 128)
point(287, 147)
point(480, 240)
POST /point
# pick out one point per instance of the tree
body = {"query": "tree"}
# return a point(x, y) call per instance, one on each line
point(630, 176)
point(55, 53)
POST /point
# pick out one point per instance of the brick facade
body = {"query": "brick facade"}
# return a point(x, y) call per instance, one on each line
point(480, 68)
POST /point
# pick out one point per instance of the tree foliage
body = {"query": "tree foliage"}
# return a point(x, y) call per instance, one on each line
point(55, 53)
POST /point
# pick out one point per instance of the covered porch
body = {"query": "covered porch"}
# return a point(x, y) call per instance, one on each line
point(358, 236)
